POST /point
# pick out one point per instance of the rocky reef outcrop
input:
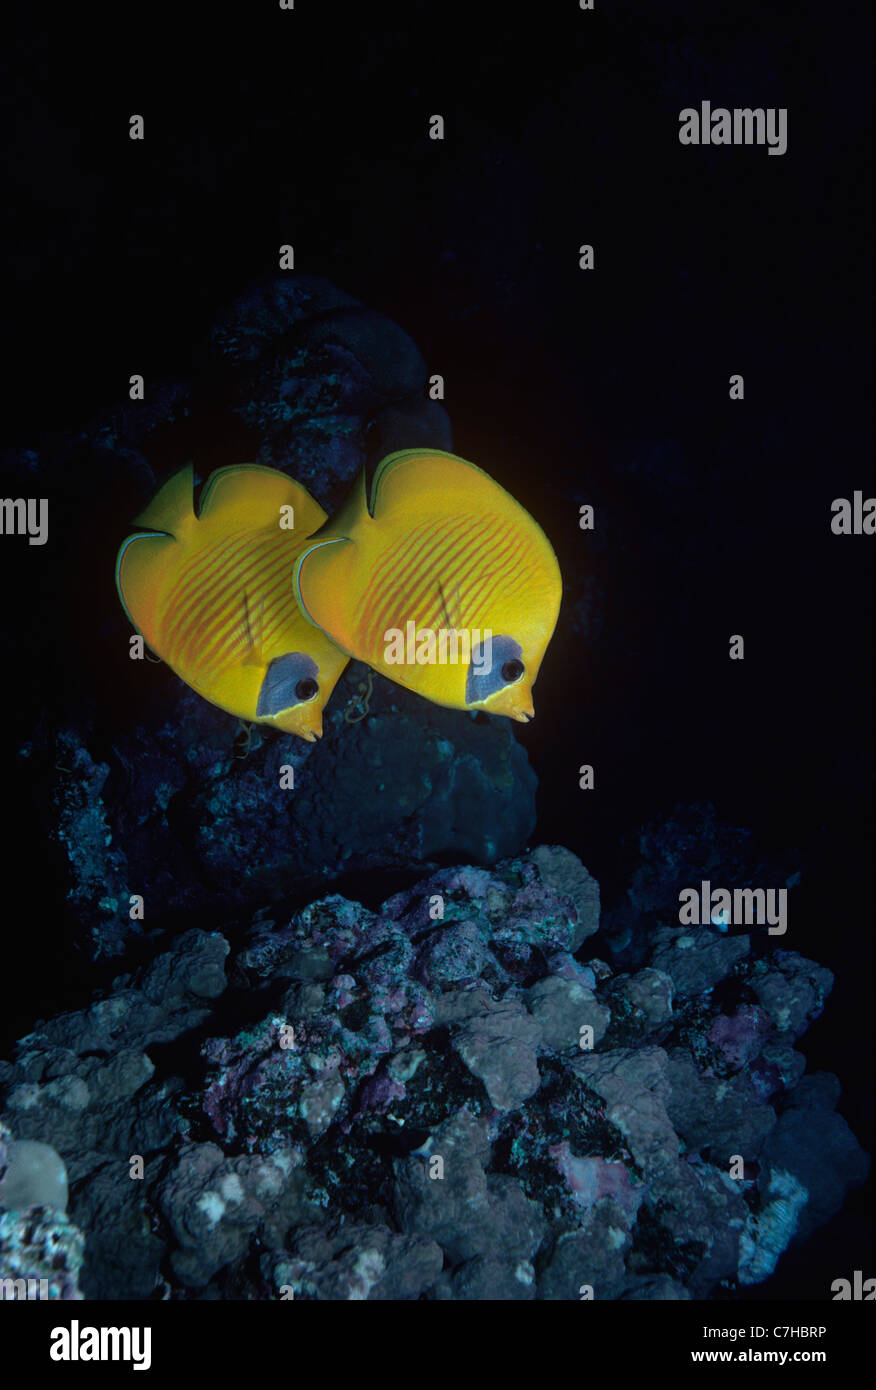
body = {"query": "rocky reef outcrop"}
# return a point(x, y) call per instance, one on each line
point(448, 1097)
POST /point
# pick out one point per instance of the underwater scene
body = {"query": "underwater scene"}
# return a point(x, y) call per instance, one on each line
point(437, 547)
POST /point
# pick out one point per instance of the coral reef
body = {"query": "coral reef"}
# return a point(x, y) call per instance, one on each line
point(311, 369)
point(40, 1248)
point(448, 1097)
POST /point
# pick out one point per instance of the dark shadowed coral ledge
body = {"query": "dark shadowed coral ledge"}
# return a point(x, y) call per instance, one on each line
point(390, 1105)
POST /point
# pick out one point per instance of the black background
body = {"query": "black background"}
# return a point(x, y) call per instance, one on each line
point(611, 387)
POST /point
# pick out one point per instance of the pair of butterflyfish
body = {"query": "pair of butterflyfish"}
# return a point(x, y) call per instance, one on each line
point(258, 600)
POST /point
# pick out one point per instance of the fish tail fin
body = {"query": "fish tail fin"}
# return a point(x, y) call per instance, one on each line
point(172, 509)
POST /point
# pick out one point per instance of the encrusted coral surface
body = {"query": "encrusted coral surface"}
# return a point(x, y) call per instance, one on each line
point(448, 1097)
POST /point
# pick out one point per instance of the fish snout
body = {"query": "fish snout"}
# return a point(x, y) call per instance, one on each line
point(515, 702)
point(524, 714)
point(310, 725)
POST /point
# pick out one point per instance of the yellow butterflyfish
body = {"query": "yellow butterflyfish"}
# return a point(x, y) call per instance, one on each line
point(439, 580)
point(213, 595)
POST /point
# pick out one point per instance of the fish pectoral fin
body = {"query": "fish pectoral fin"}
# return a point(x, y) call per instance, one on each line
point(172, 508)
point(249, 637)
point(451, 608)
point(249, 494)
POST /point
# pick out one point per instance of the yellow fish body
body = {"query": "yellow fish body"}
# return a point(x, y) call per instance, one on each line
point(213, 595)
point(439, 548)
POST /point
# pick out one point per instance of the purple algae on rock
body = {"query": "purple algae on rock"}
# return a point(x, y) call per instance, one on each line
point(444, 1097)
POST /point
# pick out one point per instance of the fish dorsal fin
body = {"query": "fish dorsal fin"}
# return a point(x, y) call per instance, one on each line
point(171, 510)
point(413, 476)
point(249, 494)
point(352, 512)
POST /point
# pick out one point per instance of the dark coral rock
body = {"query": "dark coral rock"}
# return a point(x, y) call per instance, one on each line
point(791, 989)
point(694, 1209)
point(740, 1036)
point(562, 1008)
point(313, 369)
point(453, 954)
point(526, 918)
point(489, 1279)
point(815, 1144)
point(41, 1244)
point(563, 873)
point(467, 1211)
point(214, 1205)
point(543, 1144)
point(98, 869)
point(660, 1289)
point(588, 1262)
point(412, 781)
point(168, 998)
point(437, 1099)
point(499, 1046)
point(122, 1255)
point(347, 1261)
point(696, 958)
point(592, 1178)
point(635, 1086)
point(641, 1004)
point(438, 783)
point(775, 1069)
point(722, 1116)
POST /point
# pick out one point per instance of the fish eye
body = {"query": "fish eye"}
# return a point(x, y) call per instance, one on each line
point(289, 680)
point(512, 670)
point(495, 663)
